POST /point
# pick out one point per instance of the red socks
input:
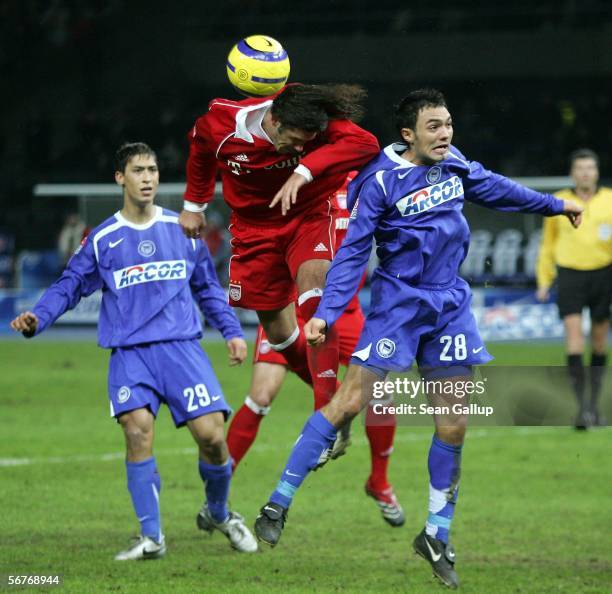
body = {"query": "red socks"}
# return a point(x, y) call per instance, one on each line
point(380, 430)
point(323, 360)
point(243, 429)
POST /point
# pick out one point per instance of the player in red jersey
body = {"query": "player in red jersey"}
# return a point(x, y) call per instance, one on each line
point(270, 369)
point(280, 160)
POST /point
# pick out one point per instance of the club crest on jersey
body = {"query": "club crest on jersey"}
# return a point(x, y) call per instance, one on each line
point(146, 248)
point(430, 197)
point(235, 292)
point(137, 274)
point(434, 174)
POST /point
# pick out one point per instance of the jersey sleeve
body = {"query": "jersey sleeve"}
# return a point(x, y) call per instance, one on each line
point(202, 162)
point(546, 270)
point(211, 298)
point(80, 278)
point(348, 147)
point(495, 191)
point(351, 260)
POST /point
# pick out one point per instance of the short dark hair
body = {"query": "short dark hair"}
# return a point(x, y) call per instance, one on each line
point(583, 153)
point(130, 149)
point(407, 110)
point(310, 107)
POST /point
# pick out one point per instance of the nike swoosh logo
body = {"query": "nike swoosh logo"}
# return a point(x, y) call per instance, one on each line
point(269, 509)
point(292, 474)
point(215, 398)
point(112, 244)
point(434, 556)
point(476, 351)
point(147, 553)
point(402, 176)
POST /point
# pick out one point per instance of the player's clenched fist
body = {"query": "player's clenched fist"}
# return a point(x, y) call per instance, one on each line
point(573, 212)
point(314, 330)
point(193, 224)
point(26, 323)
point(237, 348)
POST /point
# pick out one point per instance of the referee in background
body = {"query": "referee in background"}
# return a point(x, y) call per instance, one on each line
point(581, 260)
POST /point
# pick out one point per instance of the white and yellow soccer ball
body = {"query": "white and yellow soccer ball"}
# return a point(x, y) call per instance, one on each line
point(258, 66)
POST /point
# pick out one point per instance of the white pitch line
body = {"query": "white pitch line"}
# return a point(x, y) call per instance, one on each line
point(257, 447)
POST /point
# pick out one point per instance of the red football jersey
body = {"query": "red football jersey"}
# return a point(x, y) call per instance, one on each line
point(342, 214)
point(252, 171)
point(342, 217)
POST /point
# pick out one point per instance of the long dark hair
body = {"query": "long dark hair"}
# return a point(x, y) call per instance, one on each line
point(310, 107)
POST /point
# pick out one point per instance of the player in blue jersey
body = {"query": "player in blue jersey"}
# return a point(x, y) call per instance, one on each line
point(150, 274)
point(410, 199)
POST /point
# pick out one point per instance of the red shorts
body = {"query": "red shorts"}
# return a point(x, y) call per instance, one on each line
point(265, 260)
point(349, 328)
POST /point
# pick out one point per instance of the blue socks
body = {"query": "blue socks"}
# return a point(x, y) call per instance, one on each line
point(217, 483)
point(144, 486)
point(317, 435)
point(444, 470)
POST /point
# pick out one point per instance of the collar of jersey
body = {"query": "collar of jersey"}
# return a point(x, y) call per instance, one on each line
point(150, 223)
point(246, 132)
point(391, 152)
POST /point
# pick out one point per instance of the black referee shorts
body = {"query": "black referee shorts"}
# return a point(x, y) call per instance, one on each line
point(577, 289)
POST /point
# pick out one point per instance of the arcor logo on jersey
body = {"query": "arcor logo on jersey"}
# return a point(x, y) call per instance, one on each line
point(152, 271)
point(430, 197)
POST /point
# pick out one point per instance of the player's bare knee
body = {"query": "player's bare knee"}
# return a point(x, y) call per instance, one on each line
point(212, 445)
point(311, 274)
point(452, 432)
point(599, 337)
point(262, 397)
point(138, 439)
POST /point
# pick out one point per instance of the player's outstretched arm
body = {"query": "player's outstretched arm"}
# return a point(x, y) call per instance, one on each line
point(237, 348)
point(26, 323)
point(314, 330)
point(80, 278)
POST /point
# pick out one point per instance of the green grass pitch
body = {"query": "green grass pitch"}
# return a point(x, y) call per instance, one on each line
point(533, 513)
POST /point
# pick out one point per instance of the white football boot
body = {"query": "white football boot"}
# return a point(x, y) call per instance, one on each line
point(144, 548)
point(233, 527)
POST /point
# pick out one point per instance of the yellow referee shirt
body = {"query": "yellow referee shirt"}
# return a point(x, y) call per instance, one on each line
point(587, 248)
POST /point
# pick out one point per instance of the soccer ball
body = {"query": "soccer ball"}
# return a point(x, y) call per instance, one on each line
point(258, 66)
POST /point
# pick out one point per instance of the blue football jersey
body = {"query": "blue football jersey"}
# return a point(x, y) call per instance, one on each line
point(414, 212)
point(151, 275)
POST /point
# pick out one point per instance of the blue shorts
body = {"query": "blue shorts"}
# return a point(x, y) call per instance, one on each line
point(175, 372)
point(434, 327)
